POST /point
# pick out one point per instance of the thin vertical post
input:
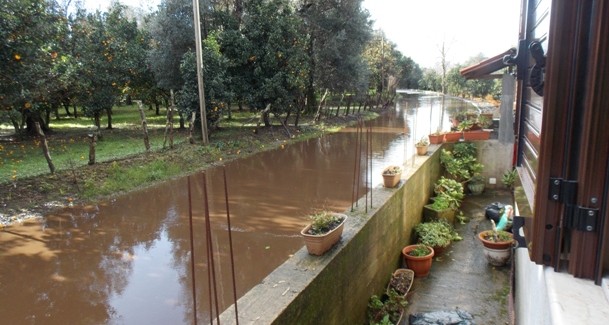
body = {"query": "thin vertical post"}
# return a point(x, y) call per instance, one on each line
point(359, 160)
point(192, 255)
point(210, 250)
point(366, 166)
point(355, 185)
point(370, 162)
point(230, 244)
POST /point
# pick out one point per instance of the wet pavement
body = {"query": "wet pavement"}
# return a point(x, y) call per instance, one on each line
point(461, 278)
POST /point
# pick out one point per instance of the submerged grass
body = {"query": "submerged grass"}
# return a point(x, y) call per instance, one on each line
point(122, 163)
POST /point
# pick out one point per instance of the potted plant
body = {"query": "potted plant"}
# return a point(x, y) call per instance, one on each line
point(436, 137)
point(461, 163)
point(452, 188)
point(476, 184)
point(422, 146)
point(452, 136)
point(438, 234)
point(497, 245)
point(391, 176)
point(387, 309)
point(323, 232)
point(442, 208)
point(418, 258)
point(401, 281)
point(509, 178)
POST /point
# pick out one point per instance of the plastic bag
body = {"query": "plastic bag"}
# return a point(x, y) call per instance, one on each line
point(455, 317)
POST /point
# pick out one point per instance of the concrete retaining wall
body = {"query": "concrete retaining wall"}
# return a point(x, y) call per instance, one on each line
point(335, 288)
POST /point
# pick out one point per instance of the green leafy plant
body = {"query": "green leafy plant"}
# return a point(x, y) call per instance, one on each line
point(323, 222)
point(438, 233)
point(461, 163)
point(386, 309)
point(392, 170)
point(509, 178)
point(442, 202)
point(497, 236)
point(420, 250)
point(423, 142)
point(451, 188)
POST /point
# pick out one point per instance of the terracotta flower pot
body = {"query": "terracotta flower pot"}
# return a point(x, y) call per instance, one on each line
point(319, 244)
point(452, 137)
point(436, 138)
point(421, 265)
point(496, 253)
point(476, 135)
point(421, 150)
point(391, 181)
point(484, 235)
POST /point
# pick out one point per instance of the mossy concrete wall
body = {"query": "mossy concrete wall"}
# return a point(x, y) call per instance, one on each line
point(335, 288)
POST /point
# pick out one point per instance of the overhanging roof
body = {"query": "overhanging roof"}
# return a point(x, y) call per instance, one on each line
point(483, 69)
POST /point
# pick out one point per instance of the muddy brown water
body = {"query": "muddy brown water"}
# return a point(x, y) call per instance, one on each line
point(127, 261)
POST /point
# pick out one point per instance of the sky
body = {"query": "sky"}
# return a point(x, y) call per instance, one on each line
point(466, 27)
point(419, 27)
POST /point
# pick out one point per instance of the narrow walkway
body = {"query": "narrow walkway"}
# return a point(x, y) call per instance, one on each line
point(461, 278)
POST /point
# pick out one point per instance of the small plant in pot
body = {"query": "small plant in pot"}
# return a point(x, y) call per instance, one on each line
point(387, 309)
point(436, 137)
point(476, 184)
point(392, 175)
point(323, 232)
point(418, 258)
point(509, 178)
point(422, 145)
point(497, 245)
point(442, 208)
point(437, 234)
point(451, 188)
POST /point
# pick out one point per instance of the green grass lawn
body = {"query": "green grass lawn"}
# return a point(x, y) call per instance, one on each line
point(69, 145)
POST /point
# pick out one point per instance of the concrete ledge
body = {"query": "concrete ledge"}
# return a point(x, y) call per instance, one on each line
point(543, 296)
point(335, 288)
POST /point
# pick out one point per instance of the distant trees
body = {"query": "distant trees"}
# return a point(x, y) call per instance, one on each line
point(286, 53)
point(457, 85)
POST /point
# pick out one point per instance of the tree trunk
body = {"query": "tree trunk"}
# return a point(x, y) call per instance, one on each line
point(48, 118)
point(266, 118)
point(66, 106)
point(56, 111)
point(169, 128)
point(96, 120)
point(340, 102)
point(92, 144)
point(75, 111)
point(109, 114)
point(317, 117)
point(348, 105)
point(191, 127)
point(45, 147)
point(158, 107)
point(144, 125)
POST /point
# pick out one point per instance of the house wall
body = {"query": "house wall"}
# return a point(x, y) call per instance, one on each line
point(335, 288)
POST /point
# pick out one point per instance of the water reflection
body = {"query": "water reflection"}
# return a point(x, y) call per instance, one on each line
point(127, 260)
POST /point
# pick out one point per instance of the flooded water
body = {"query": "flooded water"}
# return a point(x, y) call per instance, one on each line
point(127, 261)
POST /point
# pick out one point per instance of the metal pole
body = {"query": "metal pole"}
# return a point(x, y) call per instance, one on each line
point(199, 55)
point(192, 255)
point(210, 250)
point(230, 243)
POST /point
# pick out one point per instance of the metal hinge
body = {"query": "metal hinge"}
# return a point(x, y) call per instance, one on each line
point(576, 217)
point(563, 191)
